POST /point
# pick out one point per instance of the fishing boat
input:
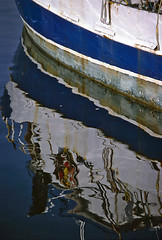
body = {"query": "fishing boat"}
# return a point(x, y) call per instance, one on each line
point(116, 43)
point(72, 158)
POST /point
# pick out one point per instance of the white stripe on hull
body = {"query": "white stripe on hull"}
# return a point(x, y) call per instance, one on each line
point(153, 129)
point(143, 88)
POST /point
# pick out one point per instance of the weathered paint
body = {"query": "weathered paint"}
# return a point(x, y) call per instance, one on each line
point(129, 25)
point(116, 55)
point(118, 105)
point(133, 85)
point(85, 41)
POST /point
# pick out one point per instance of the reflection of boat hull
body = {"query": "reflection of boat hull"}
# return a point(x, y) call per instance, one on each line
point(116, 104)
point(110, 184)
point(51, 94)
point(109, 181)
point(95, 55)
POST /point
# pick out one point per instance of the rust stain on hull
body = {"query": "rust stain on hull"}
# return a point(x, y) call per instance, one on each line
point(135, 87)
point(144, 114)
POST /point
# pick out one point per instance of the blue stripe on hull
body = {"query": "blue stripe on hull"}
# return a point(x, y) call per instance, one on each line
point(83, 41)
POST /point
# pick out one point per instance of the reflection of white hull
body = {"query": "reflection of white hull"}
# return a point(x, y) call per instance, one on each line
point(111, 174)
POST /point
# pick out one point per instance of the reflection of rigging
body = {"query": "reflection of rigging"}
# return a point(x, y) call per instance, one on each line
point(94, 173)
point(106, 208)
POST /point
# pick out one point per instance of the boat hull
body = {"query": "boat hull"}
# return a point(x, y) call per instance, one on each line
point(114, 64)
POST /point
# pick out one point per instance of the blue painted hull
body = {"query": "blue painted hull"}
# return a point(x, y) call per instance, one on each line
point(69, 35)
point(52, 95)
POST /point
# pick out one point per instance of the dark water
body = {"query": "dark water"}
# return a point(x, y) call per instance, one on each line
point(72, 167)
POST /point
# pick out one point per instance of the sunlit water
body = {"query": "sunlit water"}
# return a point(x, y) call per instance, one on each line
point(77, 161)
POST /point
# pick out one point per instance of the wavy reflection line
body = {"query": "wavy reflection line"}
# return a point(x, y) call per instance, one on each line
point(158, 191)
point(82, 225)
point(106, 208)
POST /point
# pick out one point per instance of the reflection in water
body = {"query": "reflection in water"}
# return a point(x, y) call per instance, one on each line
point(110, 182)
point(146, 118)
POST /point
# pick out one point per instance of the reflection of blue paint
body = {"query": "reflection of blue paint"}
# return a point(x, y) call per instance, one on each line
point(90, 44)
point(48, 92)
